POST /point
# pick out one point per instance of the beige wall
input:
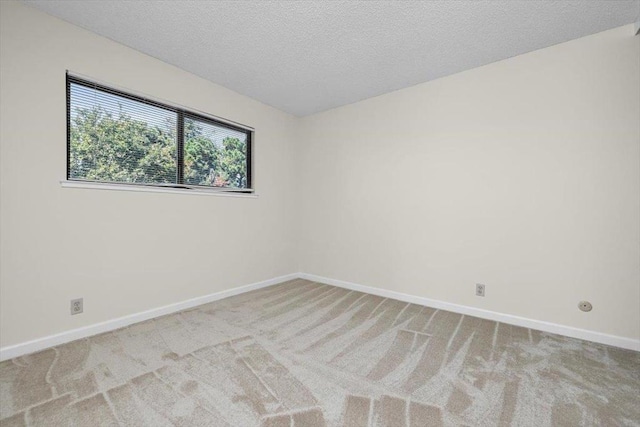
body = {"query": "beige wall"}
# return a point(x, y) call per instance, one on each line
point(522, 175)
point(123, 252)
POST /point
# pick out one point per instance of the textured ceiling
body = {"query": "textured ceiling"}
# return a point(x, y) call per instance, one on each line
point(309, 56)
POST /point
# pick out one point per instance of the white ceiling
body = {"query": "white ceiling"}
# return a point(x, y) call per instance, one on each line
point(309, 56)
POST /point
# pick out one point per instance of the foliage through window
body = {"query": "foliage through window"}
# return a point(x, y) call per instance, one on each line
point(115, 137)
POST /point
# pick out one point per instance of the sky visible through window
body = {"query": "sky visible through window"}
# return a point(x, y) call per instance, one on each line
point(90, 98)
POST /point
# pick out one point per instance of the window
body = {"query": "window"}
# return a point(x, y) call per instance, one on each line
point(115, 137)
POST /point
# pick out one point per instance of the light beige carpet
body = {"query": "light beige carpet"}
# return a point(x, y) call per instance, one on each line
point(307, 354)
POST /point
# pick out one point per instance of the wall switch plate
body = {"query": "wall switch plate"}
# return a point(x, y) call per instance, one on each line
point(76, 306)
point(479, 289)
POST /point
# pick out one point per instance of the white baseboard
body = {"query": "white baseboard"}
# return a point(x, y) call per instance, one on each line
point(21, 349)
point(599, 337)
point(9, 352)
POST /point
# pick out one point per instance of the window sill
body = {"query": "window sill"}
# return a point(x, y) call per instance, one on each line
point(153, 189)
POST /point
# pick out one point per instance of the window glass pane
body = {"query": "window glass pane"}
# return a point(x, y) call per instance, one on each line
point(214, 155)
point(116, 139)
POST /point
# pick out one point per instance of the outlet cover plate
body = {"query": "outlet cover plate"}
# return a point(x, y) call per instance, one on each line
point(76, 306)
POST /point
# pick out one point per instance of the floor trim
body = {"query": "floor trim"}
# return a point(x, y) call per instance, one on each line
point(599, 337)
point(9, 352)
point(21, 349)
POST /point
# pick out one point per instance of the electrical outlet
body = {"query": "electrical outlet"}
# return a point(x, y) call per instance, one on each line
point(479, 289)
point(76, 306)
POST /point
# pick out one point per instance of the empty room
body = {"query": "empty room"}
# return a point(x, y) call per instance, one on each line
point(319, 213)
